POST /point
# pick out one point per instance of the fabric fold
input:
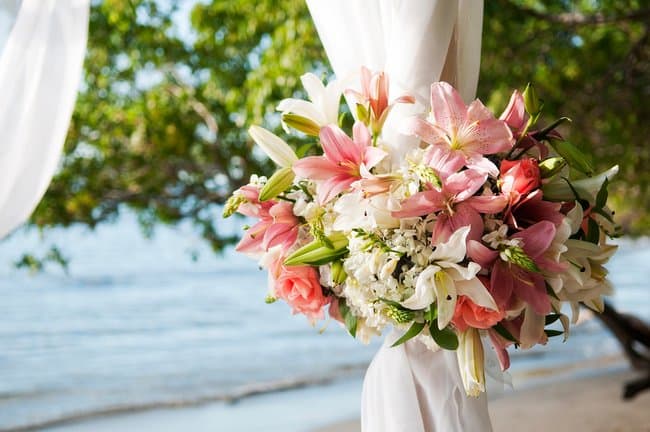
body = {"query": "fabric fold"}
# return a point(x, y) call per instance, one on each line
point(417, 42)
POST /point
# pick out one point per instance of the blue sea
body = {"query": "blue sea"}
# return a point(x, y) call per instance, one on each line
point(142, 323)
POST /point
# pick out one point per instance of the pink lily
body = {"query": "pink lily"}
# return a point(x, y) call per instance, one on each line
point(456, 204)
point(374, 96)
point(511, 282)
point(531, 209)
point(516, 116)
point(466, 131)
point(277, 225)
point(342, 162)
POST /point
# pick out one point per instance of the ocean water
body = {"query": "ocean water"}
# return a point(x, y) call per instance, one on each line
point(138, 324)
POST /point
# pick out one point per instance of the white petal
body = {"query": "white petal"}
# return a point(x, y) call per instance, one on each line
point(458, 272)
point(424, 290)
point(532, 328)
point(313, 86)
point(477, 292)
point(303, 109)
point(454, 249)
point(275, 148)
point(445, 289)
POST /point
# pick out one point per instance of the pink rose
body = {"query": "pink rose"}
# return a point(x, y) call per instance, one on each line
point(520, 176)
point(299, 286)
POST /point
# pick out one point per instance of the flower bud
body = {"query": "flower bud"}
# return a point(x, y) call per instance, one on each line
point(278, 183)
point(551, 166)
point(470, 361)
point(531, 101)
point(274, 146)
point(300, 123)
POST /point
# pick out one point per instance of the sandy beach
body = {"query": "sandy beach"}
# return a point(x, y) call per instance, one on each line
point(585, 404)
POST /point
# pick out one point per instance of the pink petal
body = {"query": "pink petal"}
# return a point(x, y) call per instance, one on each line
point(486, 137)
point(501, 284)
point(406, 99)
point(515, 113)
point(490, 204)
point(465, 215)
point(424, 130)
point(447, 107)
point(420, 204)
point(334, 186)
point(500, 349)
point(372, 156)
point(464, 184)
point(478, 111)
point(536, 238)
point(483, 165)
point(444, 161)
point(277, 234)
point(252, 240)
point(366, 77)
point(362, 138)
point(481, 254)
point(338, 147)
point(533, 209)
point(551, 265)
point(531, 288)
point(314, 168)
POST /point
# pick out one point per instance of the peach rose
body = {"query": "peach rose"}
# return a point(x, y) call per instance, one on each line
point(469, 314)
point(299, 286)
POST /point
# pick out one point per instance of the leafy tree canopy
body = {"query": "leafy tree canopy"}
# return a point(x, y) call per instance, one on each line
point(160, 123)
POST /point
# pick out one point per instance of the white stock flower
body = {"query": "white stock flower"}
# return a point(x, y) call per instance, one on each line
point(274, 146)
point(354, 211)
point(445, 279)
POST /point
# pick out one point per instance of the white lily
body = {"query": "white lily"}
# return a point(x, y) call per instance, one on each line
point(558, 189)
point(323, 108)
point(355, 211)
point(471, 361)
point(444, 280)
point(274, 146)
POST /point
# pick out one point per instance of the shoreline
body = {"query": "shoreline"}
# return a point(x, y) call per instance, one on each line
point(325, 406)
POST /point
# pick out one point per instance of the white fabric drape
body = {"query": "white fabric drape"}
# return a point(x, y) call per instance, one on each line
point(40, 70)
point(417, 42)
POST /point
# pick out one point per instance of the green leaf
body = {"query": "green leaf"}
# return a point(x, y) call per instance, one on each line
point(574, 157)
point(445, 338)
point(348, 317)
point(593, 231)
point(551, 318)
point(413, 331)
point(601, 197)
point(553, 333)
point(542, 134)
point(395, 304)
point(504, 333)
point(303, 149)
point(432, 313)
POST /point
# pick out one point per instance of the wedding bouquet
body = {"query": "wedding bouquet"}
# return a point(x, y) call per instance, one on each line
point(484, 229)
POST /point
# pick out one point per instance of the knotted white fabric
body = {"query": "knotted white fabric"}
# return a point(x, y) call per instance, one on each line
point(417, 42)
point(40, 70)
